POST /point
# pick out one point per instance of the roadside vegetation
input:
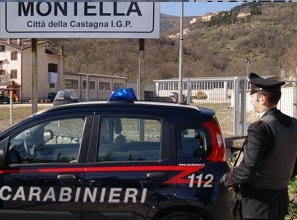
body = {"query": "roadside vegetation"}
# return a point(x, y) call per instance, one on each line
point(293, 200)
point(266, 35)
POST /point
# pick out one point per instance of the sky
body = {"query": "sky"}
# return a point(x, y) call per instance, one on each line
point(196, 8)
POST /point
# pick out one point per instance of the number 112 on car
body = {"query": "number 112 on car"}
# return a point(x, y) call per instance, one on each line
point(200, 181)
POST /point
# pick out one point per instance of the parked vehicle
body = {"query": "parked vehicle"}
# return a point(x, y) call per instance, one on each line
point(117, 159)
point(4, 99)
point(65, 97)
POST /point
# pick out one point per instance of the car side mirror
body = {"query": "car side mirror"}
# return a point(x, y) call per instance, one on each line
point(48, 135)
point(3, 151)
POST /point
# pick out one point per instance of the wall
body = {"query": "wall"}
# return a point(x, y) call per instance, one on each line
point(43, 60)
point(11, 64)
point(94, 94)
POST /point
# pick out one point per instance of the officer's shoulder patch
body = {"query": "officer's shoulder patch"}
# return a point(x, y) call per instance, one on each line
point(257, 123)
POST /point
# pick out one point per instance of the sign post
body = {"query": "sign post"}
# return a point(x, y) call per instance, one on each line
point(10, 107)
point(34, 91)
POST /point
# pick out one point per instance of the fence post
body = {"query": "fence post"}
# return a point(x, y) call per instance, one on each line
point(243, 106)
point(239, 117)
point(236, 106)
point(189, 91)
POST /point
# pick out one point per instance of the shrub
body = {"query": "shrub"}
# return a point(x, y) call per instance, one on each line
point(293, 200)
point(200, 95)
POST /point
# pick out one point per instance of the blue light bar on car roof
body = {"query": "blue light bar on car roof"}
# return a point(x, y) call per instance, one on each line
point(126, 94)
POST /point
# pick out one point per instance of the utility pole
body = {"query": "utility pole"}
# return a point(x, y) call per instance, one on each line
point(87, 87)
point(140, 89)
point(248, 62)
point(34, 91)
point(180, 84)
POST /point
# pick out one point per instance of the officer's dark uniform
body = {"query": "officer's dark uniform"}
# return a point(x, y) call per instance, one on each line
point(269, 160)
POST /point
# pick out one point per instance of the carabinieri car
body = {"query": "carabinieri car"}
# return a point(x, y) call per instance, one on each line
point(119, 159)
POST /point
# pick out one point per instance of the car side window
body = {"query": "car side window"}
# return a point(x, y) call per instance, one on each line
point(129, 139)
point(193, 143)
point(53, 141)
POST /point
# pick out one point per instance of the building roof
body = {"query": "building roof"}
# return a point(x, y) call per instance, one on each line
point(9, 85)
point(11, 44)
point(223, 78)
point(203, 79)
point(24, 44)
point(93, 75)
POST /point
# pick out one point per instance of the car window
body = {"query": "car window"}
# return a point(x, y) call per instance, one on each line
point(129, 139)
point(54, 141)
point(193, 143)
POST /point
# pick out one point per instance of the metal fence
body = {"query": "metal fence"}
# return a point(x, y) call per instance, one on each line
point(228, 97)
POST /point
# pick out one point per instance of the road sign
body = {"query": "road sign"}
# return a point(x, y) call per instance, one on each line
point(79, 20)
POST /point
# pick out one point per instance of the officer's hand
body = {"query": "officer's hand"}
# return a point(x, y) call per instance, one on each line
point(236, 189)
point(224, 178)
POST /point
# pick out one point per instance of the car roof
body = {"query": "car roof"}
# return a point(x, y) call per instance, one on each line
point(136, 104)
point(179, 114)
point(124, 103)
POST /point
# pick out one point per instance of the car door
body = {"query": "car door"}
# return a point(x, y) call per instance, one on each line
point(194, 149)
point(45, 166)
point(128, 173)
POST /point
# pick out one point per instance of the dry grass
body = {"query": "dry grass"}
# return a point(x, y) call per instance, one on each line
point(19, 112)
point(224, 115)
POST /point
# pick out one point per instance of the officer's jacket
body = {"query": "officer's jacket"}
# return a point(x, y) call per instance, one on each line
point(270, 153)
point(275, 171)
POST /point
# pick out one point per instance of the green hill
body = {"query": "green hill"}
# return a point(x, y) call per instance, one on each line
point(215, 48)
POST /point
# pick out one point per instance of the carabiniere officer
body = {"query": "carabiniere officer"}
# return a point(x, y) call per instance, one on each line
point(269, 155)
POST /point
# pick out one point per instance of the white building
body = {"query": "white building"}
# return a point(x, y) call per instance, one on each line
point(243, 14)
point(213, 87)
point(16, 72)
point(100, 86)
point(207, 16)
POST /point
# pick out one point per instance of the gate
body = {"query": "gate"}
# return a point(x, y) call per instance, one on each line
point(240, 98)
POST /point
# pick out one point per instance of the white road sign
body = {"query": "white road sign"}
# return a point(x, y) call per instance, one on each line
point(79, 20)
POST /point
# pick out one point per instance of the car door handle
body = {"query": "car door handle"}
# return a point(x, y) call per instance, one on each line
point(67, 177)
point(157, 176)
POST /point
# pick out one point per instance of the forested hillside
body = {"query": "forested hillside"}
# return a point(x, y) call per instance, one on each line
point(267, 36)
